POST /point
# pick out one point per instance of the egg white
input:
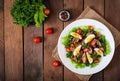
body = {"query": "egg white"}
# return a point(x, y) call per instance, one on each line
point(89, 38)
point(77, 50)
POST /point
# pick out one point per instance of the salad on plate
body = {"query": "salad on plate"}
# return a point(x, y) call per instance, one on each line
point(85, 46)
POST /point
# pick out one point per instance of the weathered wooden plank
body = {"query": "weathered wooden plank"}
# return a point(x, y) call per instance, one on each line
point(112, 15)
point(33, 55)
point(2, 53)
point(75, 8)
point(13, 46)
point(50, 41)
point(97, 5)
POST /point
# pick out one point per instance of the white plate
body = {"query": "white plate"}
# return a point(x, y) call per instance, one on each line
point(105, 60)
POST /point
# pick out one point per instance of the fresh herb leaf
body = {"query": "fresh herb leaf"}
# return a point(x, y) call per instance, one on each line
point(105, 43)
point(93, 65)
point(66, 41)
point(39, 16)
point(86, 45)
point(82, 65)
point(24, 12)
point(69, 54)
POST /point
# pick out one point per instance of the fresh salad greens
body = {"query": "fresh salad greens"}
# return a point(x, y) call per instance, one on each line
point(85, 46)
point(26, 12)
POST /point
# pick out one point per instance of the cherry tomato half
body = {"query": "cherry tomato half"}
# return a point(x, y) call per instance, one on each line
point(98, 34)
point(56, 63)
point(72, 45)
point(90, 28)
point(79, 61)
point(49, 30)
point(47, 11)
point(68, 50)
point(79, 31)
point(73, 58)
point(96, 60)
point(37, 40)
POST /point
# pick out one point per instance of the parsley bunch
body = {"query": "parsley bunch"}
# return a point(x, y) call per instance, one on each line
point(26, 12)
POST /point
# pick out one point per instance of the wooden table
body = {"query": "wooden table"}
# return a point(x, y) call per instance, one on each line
point(22, 60)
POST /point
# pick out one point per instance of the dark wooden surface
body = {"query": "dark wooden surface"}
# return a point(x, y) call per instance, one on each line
point(13, 39)
point(23, 60)
point(2, 52)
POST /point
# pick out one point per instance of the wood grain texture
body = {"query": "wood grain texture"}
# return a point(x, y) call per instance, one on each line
point(75, 8)
point(13, 46)
point(50, 41)
point(97, 5)
point(33, 54)
point(112, 15)
point(2, 53)
point(100, 9)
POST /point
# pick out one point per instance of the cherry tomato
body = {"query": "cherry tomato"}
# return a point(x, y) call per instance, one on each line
point(72, 45)
point(68, 50)
point(47, 11)
point(102, 48)
point(98, 34)
point(85, 49)
point(96, 60)
point(72, 49)
point(56, 63)
point(73, 58)
point(49, 30)
point(93, 42)
point(90, 28)
point(79, 61)
point(79, 31)
point(37, 40)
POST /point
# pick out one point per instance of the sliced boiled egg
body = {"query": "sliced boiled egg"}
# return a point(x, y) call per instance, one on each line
point(89, 38)
point(77, 50)
point(98, 51)
point(76, 35)
point(90, 59)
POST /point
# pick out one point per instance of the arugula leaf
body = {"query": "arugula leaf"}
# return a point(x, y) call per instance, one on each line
point(105, 43)
point(69, 54)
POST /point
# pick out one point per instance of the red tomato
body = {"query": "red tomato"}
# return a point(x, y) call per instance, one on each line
point(79, 31)
point(96, 60)
point(49, 30)
point(86, 49)
point(98, 34)
point(90, 28)
point(47, 11)
point(56, 63)
point(37, 40)
point(68, 50)
point(73, 58)
point(79, 61)
point(72, 45)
